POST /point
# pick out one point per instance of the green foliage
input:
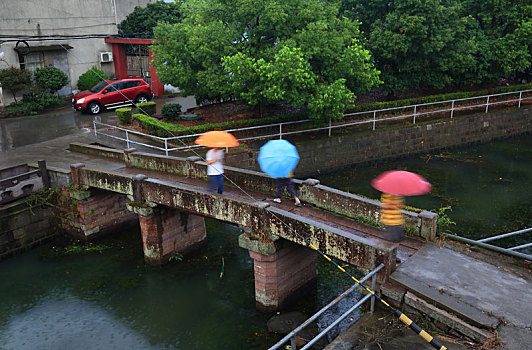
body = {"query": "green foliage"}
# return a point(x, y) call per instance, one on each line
point(441, 97)
point(156, 127)
point(124, 115)
point(171, 111)
point(176, 257)
point(144, 19)
point(428, 43)
point(78, 249)
point(50, 78)
point(438, 43)
point(34, 101)
point(263, 52)
point(90, 78)
point(147, 108)
point(330, 101)
point(507, 25)
point(14, 80)
point(444, 221)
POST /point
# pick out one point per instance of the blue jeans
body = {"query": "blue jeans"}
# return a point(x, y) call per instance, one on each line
point(216, 182)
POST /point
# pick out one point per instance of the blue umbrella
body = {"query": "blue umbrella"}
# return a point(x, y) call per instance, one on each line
point(278, 158)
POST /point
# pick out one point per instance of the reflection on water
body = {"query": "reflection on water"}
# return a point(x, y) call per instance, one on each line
point(487, 186)
point(52, 300)
point(65, 322)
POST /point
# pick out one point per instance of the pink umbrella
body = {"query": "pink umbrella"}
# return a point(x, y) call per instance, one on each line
point(401, 183)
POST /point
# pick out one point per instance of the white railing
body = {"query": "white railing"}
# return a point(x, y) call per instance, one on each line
point(168, 144)
point(510, 251)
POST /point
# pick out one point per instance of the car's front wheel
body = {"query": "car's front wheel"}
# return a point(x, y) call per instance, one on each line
point(94, 108)
point(142, 98)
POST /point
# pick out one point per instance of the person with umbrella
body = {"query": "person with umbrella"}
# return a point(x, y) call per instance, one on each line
point(278, 158)
point(215, 170)
point(395, 184)
point(280, 184)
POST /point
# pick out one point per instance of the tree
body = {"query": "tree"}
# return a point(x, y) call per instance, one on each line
point(508, 27)
point(14, 80)
point(144, 19)
point(50, 78)
point(263, 52)
point(428, 43)
point(90, 78)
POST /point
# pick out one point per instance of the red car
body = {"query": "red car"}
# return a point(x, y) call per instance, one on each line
point(112, 94)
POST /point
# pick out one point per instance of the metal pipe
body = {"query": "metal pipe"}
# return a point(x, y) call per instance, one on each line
point(489, 246)
point(373, 287)
point(487, 104)
point(338, 320)
point(325, 308)
point(509, 234)
point(452, 109)
point(520, 96)
point(522, 246)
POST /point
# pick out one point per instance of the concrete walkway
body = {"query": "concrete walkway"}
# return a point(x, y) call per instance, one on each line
point(487, 295)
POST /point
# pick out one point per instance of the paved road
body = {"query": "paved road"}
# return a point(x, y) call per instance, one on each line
point(28, 130)
point(23, 131)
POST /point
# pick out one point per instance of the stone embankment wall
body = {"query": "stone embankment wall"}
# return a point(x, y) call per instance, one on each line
point(22, 227)
point(324, 154)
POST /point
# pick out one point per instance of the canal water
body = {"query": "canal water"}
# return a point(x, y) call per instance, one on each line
point(61, 297)
point(486, 187)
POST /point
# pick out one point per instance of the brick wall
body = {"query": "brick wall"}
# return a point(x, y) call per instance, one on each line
point(100, 212)
point(22, 228)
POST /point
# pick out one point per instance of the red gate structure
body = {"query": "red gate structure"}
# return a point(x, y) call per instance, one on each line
point(121, 57)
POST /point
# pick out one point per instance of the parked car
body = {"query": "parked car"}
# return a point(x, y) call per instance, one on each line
point(111, 94)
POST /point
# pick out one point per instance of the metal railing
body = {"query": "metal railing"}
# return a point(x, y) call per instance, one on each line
point(510, 251)
point(168, 144)
point(292, 335)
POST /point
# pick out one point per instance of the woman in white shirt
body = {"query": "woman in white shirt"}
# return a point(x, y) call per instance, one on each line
point(215, 169)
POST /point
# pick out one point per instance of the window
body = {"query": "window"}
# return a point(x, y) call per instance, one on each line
point(131, 84)
point(32, 61)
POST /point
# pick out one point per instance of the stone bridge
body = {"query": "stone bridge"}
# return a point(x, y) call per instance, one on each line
point(168, 196)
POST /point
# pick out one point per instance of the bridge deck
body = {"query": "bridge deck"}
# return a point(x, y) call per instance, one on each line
point(351, 227)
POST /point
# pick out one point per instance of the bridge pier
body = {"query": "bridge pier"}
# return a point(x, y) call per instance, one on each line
point(90, 213)
point(282, 269)
point(166, 231)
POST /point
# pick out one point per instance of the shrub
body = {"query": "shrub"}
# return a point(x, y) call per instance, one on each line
point(90, 78)
point(14, 80)
point(124, 114)
point(170, 111)
point(34, 101)
point(147, 108)
point(50, 78)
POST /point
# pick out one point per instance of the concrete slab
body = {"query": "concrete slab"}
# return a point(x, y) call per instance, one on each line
point(474, 290)
point(382, 331)
point(56, 154)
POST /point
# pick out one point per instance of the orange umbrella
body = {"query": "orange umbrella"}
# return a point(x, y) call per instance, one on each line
point(217, 139)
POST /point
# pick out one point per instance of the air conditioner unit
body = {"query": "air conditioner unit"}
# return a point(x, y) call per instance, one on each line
point(106, 57)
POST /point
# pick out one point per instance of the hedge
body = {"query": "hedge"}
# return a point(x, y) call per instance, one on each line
point(157, 127)
point(124, 114)
point(436, 98)
point(147, 108)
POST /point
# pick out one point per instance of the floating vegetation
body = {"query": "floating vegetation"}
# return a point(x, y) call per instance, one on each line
point(77, 249)
point(459, 157)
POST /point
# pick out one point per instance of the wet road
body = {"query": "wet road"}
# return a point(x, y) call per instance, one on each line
point(27, 130)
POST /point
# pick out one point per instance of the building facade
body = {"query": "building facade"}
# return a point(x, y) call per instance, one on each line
point(21, 19)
